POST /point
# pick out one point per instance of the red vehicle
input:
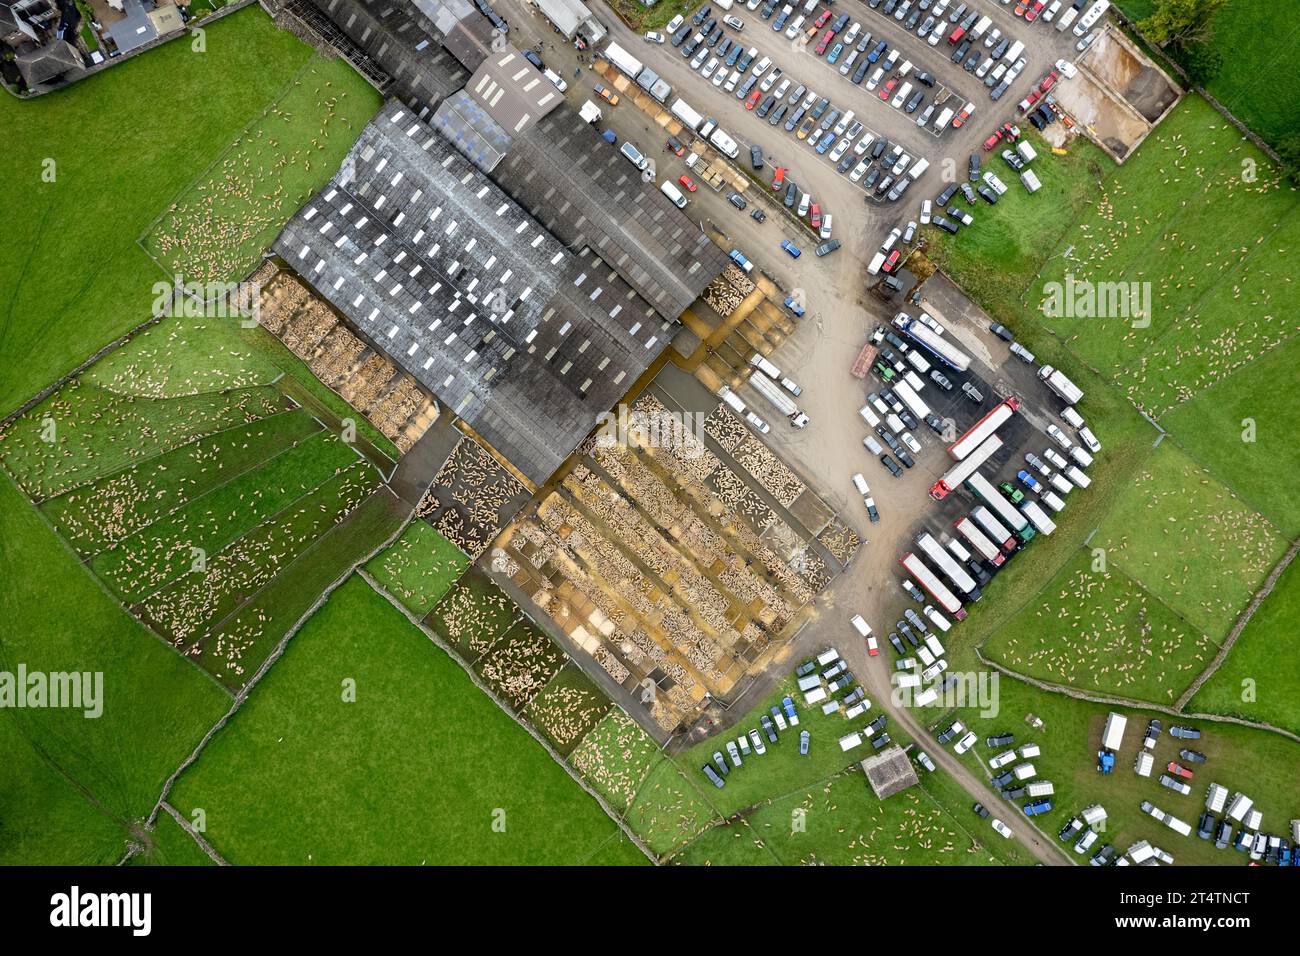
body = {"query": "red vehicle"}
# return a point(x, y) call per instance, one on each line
point(1179, 770)
point(752, 100)
point(955, 37)
point(674, 147)
point(1021, 7)
point(1049, 81)
point(1032, 13)
point(821, 21)
point(1029, 100)
point(993, 140)
point(887, 90)
point(687, 182)
point(825, 40)
point(960, 119)
point(892, 261)
point(778, 180)
point(816, 214)
point(872, 648)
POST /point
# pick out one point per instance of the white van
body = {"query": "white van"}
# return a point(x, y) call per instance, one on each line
point(1081, 457)
point(934, 645)
point(869, 416)
point(1078, 477)
point(1071, 417)
point(859, 624)
point(895, 423)
point(634, 155)
point(860, 483)
point(1052, 501)
point(872, 445)
point(937, 619)
point(877, 261)
point(901, 96)
point(674, 194)
point(1089, 439)
point(1060, 484)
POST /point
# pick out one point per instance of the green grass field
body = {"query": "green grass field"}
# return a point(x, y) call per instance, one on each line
point(79, 279)
point(77, 786)
point(473, 615)
point(568, 708)
point(1100, 631)
point(1253, 44)
point(417, 769)
point(615, 757)
point(841, 823)
point(168, 844)
point(419, 567)
point(1256, 762)
point(1255, 681)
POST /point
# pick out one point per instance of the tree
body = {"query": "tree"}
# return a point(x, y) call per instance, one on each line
point(1288, 150)
point(1202, 62)
point(1182, 23)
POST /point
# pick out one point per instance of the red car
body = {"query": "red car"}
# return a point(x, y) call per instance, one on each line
point(752, 100)
point(891, 262)
point(821, 21)
point(1032, 13)
point(825, 40)
point(1179, 770)
point(993, 140)
point(955, 37)
point(1049, 81)
point(888, 88)
point(687, 182)
point(1021, 7)
point(816, 213)
point(779, 179)
point(674, 147)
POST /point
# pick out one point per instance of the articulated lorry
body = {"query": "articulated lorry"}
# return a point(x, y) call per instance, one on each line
point(933, 586)
point(773, 393)
point(959, 472)
point(933, 343)
point(986, 426)
point(950, 569)
point(976, 538)
point(983, 489)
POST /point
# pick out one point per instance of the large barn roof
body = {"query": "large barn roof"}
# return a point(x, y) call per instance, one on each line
point(524, 338)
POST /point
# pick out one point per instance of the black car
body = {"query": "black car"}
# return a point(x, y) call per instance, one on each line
point(947, 225)
point(897, 642)
point(536, 61)
point(860, 73)
point(826, 248)
point(988, 195)
point(847, 163)
point(872, 175)
point(1184, 733)
point(1223, 835)
point(701, 15)
point(737, 200)
point(757, 214)
point(973, 167)
point(768, 728)
point(1206, 827)
point(914, 101)
point(763, 109)
point(714, 35)
point(980, 811)
point(882, 144)
point(907, 633)
point(935, 423)
point(879, 743)
point(891, 465)
point(1002, 779)
point(723, 48)
point(790, 193)
point(960, 53)
point(1072, 828)
point(1192, 756)
point(778, 114)
point(999, 740)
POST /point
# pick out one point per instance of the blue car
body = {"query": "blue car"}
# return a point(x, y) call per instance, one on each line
point(1029, 481)
point(834, 55)
point(1037, 807)
point(825, 144)
point(794, 306)
point(788, 706)
point(875, 54)
point(791, 248)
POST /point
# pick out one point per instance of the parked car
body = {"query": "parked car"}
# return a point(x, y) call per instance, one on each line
point(1182, 733)
point(791, 248)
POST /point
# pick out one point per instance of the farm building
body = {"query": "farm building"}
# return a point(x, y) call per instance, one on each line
point(432, 262)
point(889, 772)
point(573, 20)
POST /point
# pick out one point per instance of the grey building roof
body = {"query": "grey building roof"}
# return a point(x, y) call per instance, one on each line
point(513, 91)
point(463, 121)
point(48, 62)
point(406, 45)
point(524, 338)
point(588, 194)
point(135, 29)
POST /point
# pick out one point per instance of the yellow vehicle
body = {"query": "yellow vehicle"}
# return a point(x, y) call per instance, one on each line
point(609, 97)
point(805, 128)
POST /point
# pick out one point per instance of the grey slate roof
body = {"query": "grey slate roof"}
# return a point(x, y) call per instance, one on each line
point(524, 338)
point(48, 62)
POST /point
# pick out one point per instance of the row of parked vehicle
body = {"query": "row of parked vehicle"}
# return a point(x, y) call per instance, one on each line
point(1065, 15)
point(782, 718)
point(998, 62)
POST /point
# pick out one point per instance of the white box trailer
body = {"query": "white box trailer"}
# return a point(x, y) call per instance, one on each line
point(907, 394)
point(950, 569)
point(828, 656)
point(1024, 771)
point(904, 679)
point(1113, 733)
point(1142, 766)
point(1177, 825)
point(1067, 18)
point(1029, 179)
point(1013, 52)
point(1239, 806)
point(687, 114)
point(1078, 477)
point(1056, 380)
point(985, 548)
point(815, 696)
point(918, 361)
point(809, 681)
point(849, 741)
point(994, 528)
point(1037, 517)
point(1029, 750)
point(994, 501)
point(934, 645)
point(982, 429)
point(1040, 788)
point(1094, 815)
point(625, 61)
point(925, 698)
point(1216, 797)
point(952, 479)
